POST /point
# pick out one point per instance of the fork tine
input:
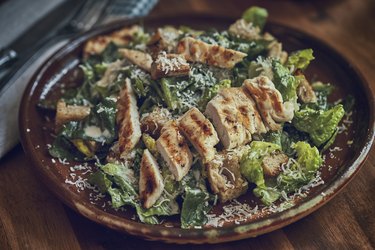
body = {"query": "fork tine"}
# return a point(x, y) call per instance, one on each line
point(88, 15)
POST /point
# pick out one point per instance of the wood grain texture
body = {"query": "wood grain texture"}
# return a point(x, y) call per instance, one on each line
point(32, 218)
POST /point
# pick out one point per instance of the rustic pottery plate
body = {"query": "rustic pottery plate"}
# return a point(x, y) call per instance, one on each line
point(67, 180)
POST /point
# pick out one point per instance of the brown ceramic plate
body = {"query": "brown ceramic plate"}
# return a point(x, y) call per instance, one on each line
point(36, 127)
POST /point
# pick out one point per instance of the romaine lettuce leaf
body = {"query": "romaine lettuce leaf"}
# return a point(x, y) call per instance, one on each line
point(303, 170)
point(195, 207)
point(91, 136)
point(251, 161)
point(251, 169)
point(284, 81)
point(319, 124)
point(119, 182)
point(256, 15)
point(300, 59)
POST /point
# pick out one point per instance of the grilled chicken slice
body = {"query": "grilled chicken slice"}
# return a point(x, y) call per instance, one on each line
point(151, 183)
point(169, 65)
point(224, 175)
point(122, 37)
point(197, 51)
point(110, 74)
point(304, 90)
point(153, 122)
point(127, 118)
point(139, 58)
point(200, 132)
point(235, 117)
point(269, 102)
point(271, 164)
point(66, 113)
point(244, 30)
point(174, 149)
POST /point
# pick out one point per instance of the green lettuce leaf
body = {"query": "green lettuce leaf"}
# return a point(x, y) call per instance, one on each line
point(209, 93)
point(303, 170)
point(300, 59)
point(319, 124)
point(256, 15)
point(251, 161)
point(251, 169)
point(75, 141)
point(284, 81)
point(195, 207)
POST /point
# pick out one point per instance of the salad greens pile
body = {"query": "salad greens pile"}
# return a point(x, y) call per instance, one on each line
point(93, 138)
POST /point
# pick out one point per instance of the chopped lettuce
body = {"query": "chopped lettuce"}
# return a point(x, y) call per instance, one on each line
point(251, 169)
point(256, 15)
point(195, 207)
point(303, 170)
point(209, 93)
point(284, 81)
point(319, 124)
point(91, 136)
point(300, 59)
point(322, 91)
point(120, 183)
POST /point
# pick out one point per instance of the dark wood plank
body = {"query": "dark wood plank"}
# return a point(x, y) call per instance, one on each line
point(30, 216)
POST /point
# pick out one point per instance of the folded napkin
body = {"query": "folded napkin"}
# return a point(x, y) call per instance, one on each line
point(10, 95)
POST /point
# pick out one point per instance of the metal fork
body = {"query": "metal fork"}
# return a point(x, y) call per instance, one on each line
point(85, 18)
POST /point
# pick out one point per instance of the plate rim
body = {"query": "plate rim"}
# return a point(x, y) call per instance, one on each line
point(178, 235)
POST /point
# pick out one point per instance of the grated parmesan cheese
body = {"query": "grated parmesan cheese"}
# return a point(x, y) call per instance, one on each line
point(170, 64)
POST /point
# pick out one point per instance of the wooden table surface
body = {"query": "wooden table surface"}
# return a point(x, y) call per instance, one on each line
point(32, 218)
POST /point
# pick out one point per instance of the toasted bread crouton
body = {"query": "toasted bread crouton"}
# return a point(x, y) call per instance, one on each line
point(121, 37)
point(235, 117)
point(153, 122)
point(197, 51)
point(271, 164)
point(139, 58)
point(151, 183)
point(269, 102)
point(200, 132)
point(128, 119)
point(304, 90)
point(66, 113)
point(245, 30)
point(275, 50)
point(169, 65)
point(164, 39)
point(224, 176)
point(174, 149)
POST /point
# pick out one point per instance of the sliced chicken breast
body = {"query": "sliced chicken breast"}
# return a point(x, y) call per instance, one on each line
point(151, 183)
point(128, 119)
point(139, 58)
point(197, 51)
point(121, 37)
point(235, 117)
point(110, 74)
point(269, 102)
point(174, 149)
point(200, 132)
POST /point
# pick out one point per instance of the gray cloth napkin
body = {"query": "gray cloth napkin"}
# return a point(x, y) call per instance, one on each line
point(10, 96)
